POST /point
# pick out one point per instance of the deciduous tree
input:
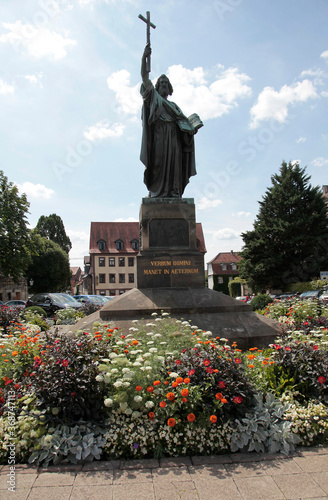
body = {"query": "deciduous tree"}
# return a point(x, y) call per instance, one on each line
point(52, 227)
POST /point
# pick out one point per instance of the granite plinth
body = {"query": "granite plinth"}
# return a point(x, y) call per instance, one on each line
point(208, 309)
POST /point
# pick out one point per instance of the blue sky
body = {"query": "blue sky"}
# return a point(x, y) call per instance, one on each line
point(255, 71)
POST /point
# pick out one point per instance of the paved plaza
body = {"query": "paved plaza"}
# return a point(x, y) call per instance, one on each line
point(251, 476)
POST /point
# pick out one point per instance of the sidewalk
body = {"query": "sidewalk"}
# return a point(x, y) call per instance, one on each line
point(251, 476)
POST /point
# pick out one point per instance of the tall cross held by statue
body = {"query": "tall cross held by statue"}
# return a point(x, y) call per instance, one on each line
point(149, 24)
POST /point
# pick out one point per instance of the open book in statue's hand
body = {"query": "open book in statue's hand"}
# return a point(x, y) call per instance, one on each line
point(191, 124)
point(195, 121)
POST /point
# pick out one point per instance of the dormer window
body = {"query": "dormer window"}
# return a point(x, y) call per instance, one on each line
point(101, 245)
point(119, 244)
point(135, 244)
point(223, 267)
point(233, 266)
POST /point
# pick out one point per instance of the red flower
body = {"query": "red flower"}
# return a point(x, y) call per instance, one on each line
point(191, 372)
point(16, 386)
point(321, 379)
point(209, 370)
point(65, 362)
point(237, 360)
point(8, 381)
point(206, 362)
point(191, 417)
point(170, 396)
point(184, 393)
point(138, 388)
point(221, 384)
point(237, 399)
point(150, 389)
point(171, 422)
point(177, 362)
point(151, 415)
point(213, 419)
point(162, 404)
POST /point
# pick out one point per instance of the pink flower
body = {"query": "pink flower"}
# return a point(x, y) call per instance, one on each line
point(321, 379)
point(221, 384)
point(65, 362)
point(237, 360)
point(237, 399)
point(191, 372)
point(207, 362)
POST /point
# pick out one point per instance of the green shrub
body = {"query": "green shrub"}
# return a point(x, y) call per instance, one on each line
point(38, 310)
point(260, 301)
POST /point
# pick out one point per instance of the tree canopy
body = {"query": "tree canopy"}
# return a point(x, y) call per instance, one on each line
point(49, 268)
point(289, 240)
point(52, 227)
point(14, 234)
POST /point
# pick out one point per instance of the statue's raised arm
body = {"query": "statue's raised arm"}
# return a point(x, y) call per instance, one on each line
point(144, 65)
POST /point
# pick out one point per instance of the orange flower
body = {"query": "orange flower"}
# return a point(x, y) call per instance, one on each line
point(179, 380)
point(184, 400)
point(174, 384)
point(251, 356)
point(191, 417)
point(219, 395)
point(162, 404)
point(250, 366)
point(25, 351)
point(184, 393)
point(170, 396)
point(213, 419)
point(156, 382)
point(171, 422)
point(264, 362)
point(166, 382)
point(187, 380)
point(150, 389)
point(14, 353)
point(138, 388)
point(126, 351)
point(110, 330)
point(223, 400)
point(151, 415)
point(135, 342)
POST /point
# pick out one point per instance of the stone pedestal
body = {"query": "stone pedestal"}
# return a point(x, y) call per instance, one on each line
point(169, 256)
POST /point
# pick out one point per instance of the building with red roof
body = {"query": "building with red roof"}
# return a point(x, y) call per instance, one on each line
point(222, 269)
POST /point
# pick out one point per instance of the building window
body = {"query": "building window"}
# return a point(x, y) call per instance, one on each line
point(120, 292)
point(130, 261)
point(233, 266)
point(101, 245)
point(223, 267)
point(121, 261)
point(101, 261)
point(131, 278)
point(103, 293)
point(112, 293)
point(111, 261)
point(121, 278)
point(119, 245)
point(102, 278)
point(135, 244)
point(112, 278)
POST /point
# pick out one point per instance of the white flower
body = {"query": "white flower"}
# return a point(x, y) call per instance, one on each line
point(178, 321)
point(150, 334)
point(157, 335)
point(149, 404)
point(125, 370)
point(163, 343)
point(128, 411)
point(112, 355)
point(148, 368)
point(136, 414)
point(137, 399)
point(108, 402)
point(150, 324)
point(147, 354)
point(133, 329)
point(158, 319)
point(126, 384)
point(136, 363)
point(174, 375)
point(99, 378)
point(150, 342)
point(107, 378)
point(185, 323)
point(153, 349)
point(208, 333)
point(194, 327)
point(114, 370)
point(165, 314)
point(118, 383)
point(140, 359)
point(153, 314)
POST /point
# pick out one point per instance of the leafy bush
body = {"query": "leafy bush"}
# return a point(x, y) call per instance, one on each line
point(260, 301)
point(38, 310)
point(67, 316)
point(301, 368)
point(8, 316)
point(64, 377)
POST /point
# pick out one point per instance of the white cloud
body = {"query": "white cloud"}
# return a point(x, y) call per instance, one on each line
point(5, 88)
point(80, 247)
point(37, 191)
point(191, 91)
point(226, 233)
point(128, 219)
point(324, 55)
point(206, 203)
point(38, 41)
point(243, 214)
point(320, 162)
point(324, 93)
point(273, 104)
point(194, 94)
point(101, 131)
point(301, 139)
point(35, 79)
point(128, 98)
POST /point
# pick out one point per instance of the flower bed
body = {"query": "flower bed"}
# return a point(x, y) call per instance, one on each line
point(165, 389)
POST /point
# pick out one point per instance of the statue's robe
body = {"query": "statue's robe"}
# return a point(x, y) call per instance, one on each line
point(167, 148)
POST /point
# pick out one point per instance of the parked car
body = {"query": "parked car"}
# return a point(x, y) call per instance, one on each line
point(15, 303)
point(87, 299)
point(311, 294)
point(324, 296)
point(104, 298)
point(52, 302)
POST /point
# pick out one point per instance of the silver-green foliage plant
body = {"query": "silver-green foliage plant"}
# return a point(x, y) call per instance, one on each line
point(265, 429)
point(81, 443)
